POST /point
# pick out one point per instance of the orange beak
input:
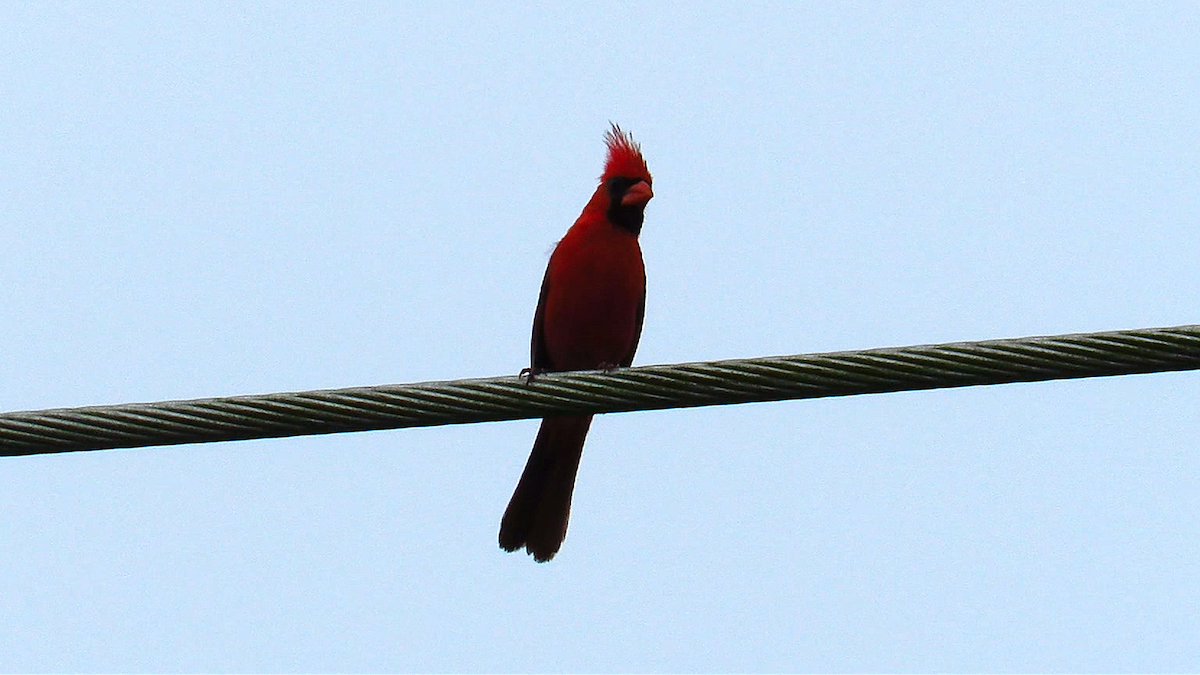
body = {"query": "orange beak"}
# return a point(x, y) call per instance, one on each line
point(637, 195)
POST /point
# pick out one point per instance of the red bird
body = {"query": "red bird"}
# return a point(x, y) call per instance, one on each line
point(589, 316)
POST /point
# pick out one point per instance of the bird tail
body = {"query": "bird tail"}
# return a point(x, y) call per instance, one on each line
point(536, 517)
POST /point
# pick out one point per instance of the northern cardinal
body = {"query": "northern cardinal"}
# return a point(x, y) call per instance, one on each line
point(589, 316)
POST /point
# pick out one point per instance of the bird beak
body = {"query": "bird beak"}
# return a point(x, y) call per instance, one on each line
point(637, 195)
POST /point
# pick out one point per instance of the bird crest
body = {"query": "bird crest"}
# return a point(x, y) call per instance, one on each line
point(624, 156)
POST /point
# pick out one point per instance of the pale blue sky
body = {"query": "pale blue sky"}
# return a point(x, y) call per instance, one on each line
point(206, 199)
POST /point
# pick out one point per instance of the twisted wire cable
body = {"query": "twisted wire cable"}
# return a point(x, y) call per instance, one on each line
point(957, 364)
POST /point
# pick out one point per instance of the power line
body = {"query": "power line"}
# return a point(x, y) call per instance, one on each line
point(957, 364)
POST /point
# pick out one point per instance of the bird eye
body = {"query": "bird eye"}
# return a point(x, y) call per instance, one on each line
point(618, 185)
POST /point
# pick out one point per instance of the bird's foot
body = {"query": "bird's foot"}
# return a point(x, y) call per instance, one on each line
point(528, 374)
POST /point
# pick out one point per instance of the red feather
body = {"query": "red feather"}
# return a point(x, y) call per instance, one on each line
point(624, 157)
point(589, 315)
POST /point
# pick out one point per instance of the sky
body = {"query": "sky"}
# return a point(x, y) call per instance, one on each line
point(212, 199)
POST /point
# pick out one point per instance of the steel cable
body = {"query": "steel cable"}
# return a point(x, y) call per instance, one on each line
point(957, 364)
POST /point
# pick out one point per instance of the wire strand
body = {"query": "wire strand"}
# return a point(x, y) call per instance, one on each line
point(871, 371)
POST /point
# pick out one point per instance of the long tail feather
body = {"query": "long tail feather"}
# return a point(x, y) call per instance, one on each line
point(536, 517)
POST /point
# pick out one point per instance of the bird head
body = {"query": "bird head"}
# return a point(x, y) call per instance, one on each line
point(626, 181)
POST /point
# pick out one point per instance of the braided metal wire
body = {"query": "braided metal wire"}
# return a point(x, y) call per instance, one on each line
point(869, 371)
